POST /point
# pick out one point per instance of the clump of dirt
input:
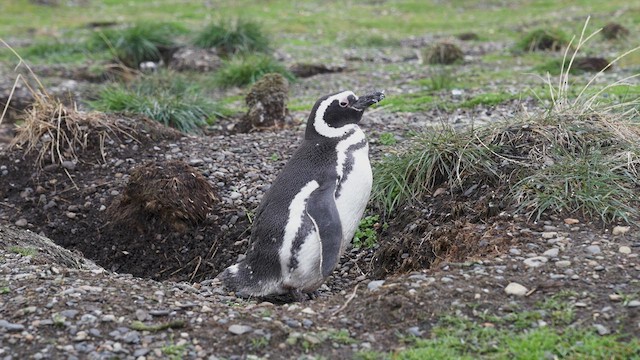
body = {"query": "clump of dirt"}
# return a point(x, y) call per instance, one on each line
point(158, 195)
point(591, 64)
point(267, 102)
point(305, 70)
point(444, 52)
point(195, 59)
point(468, 36)
point(614, 31)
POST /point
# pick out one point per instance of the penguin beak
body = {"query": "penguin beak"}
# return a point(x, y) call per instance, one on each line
point(365, 101)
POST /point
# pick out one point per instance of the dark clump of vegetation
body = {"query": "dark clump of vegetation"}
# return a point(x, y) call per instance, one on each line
point(580, 65)
point(445, 53)
point(245, 70)
point(138, 43)
point(229, 37)
point(614, 31)
point(468, 36)
point(542, 40)
point(165, 97)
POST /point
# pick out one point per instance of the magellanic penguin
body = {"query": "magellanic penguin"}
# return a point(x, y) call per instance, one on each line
point(311, 211)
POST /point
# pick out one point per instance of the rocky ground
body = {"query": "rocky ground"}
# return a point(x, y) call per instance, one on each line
point(150, 294)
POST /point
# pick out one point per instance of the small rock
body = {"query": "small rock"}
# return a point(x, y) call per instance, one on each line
point(535, 261)
point(375, 284)
point(22, 222)
point(516, 289)
point(514, 251)
point(71, 215)
point(601, 329)
point(141, 315)
point(624, 250)
point(11, 326)
point(235, 195)
point(620, 230)
point(549, 234)
point(552, 253)
point(69, 165)
point(593, 249)
point(633, 303)
point(571, 221)
point(615, 297)
point(563, 263)
point(239, 329)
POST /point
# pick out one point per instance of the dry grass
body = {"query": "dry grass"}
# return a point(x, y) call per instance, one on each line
point(54, 131)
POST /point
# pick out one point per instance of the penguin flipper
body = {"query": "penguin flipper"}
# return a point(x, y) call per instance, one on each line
point(322, 209)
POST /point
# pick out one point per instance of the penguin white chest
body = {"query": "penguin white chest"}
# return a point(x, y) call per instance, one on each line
point(354, 182)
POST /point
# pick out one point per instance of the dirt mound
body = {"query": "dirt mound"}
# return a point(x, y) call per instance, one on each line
point(159, 195)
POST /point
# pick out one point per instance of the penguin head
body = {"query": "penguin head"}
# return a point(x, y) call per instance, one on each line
point(335, 115)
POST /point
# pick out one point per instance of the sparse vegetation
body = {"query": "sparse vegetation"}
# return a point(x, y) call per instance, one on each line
point(387, 138)
point(24, 251)
point(231, 37)
point(367, 233)
point(456, 338)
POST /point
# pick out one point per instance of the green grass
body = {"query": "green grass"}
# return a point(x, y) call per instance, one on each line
point(231, 37)
point(165, 97)
point(487, 99)
point(367, 233)
point(463, 339)
point(543, 39)
point(173, 351)
point(409, 102)
point(138, 43)
point(387, 139)
point(245, 70)
point(24, 251)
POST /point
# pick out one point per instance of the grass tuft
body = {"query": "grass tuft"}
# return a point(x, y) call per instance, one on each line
point(542, 40)
point(245, 70)
point(138, 43)
point(232, 37)
point(165, 97)
point(445, 53)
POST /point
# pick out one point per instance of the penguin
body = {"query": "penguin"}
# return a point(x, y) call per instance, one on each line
point(310, 213)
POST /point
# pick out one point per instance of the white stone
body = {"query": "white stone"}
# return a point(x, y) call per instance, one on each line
point(239, 329)
point(516, 289)
point(593, 249)
point(563, 263)
point(624, 250)
point(535, 261)
point(375, 284)
point(620, 230)
point(549, 234)
point(552, 252)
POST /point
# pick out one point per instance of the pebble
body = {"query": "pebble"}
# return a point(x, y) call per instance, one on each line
point(514, 251)
point(22, 222)
point(549, 234)
point(633, 303)
point(535, 261)
point(235, 195)
point(593, 249)
point(624, 250)
point(601, 329)
point(239, 329)
point(552, 253)
point(69, 165)
point(375, 284)
point(563, 263)
point(516, 289)
point(620, 230)
point(11, 326)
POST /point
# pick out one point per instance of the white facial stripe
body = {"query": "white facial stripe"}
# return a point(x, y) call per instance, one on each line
point(343, 146)
point(322, 127)
point(296, 211)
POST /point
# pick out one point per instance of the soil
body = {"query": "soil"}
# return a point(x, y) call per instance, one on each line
point(85, 291)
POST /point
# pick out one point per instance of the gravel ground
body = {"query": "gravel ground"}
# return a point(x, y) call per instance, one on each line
point(55, 304)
